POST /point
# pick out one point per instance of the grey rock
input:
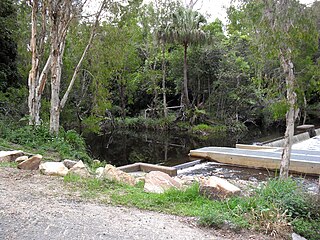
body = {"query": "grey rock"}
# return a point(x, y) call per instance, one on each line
point(99, 172)
point(80, 169)
point(297, 237)
point(10, 156)
point(217, 188)
point(69, 163)
point(112, 173)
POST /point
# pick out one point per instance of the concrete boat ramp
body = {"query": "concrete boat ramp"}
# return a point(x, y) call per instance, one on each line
point(302, 161)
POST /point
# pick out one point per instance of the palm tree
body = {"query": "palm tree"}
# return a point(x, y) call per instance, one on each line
point(185, 29)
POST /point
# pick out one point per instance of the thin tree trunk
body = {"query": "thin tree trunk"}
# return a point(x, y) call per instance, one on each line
point(198, 91)
point(186, 100)
point(154, 103)
point(39, 90)
point(32, 80)
point(165, 110)
point(122, 99)
point(290, 116)
point(304, 109)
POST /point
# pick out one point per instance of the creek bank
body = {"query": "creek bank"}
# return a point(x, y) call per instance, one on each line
point(154, 181)
point(60, 213)
point(203, 173)
point(106, 183)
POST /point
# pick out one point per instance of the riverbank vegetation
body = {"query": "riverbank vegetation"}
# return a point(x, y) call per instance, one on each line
point(138, 73)
point(162, 66)
point(277, 207)
point(38, 140)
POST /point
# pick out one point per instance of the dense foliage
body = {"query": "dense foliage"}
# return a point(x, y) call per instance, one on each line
point(9, 75)
point(163, 66)
point(145, 57)
point(38, 140)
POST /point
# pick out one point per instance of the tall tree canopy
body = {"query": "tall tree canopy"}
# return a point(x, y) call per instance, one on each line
point(282, 30)
point(185, 29)
point(8, 48)
point(152, 57)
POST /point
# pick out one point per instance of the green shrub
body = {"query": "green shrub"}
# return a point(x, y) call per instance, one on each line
point(279, 109)
point(206, 129)
point(68, 144)
point(271, 208)
point(310, 229)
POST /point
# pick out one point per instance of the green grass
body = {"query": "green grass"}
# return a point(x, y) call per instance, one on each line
point(275, 208)
point(38, 139)
point(8, 164)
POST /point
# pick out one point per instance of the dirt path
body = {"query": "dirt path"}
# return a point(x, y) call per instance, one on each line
point(35, 207)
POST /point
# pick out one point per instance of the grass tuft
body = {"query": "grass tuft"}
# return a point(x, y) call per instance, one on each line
point(8, 164)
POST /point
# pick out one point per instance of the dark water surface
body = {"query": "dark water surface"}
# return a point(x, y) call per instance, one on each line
point(157, 147)
point(172, 148)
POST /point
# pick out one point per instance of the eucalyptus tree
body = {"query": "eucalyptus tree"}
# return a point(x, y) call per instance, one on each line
point(55, 19)
point(280, 29)
point(185, 29)
point(37, 77)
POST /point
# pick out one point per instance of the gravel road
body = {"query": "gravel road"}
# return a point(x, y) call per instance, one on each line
point(35, 207)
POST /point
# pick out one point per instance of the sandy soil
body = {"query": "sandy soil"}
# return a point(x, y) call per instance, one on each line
point(33, 206)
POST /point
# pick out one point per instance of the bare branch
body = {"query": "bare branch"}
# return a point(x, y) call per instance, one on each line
point(43, 76)
point(93, 32)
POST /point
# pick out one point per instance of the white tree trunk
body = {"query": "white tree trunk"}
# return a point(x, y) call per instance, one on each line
point(290, 116)
point(164, 91)
point(32, 80)
point(37, 81)
point(55, 78)
point(59, 29)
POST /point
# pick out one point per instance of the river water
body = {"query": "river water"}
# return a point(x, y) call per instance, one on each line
point(172, 148)
point(168, 148)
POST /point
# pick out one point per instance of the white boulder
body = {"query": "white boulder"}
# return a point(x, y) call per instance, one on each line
point(53, 168)
point(80, 169)
point(159, 182)
point(99, 172)
point(297, 237)
point(10, 156)
point(217, 188)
